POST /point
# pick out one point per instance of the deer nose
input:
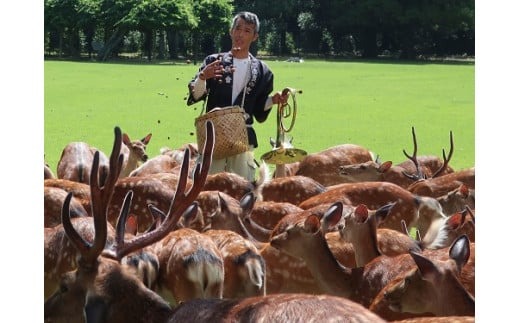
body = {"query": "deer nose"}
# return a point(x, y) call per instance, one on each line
point(145, 157)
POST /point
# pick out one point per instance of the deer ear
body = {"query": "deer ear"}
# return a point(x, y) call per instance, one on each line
point(464, 191)
point(126, 139)
point(455, 221)
point(332, 216)
point(146, 139)
point(459, 251)
point(247, 202)
point(383, 212)
point(361, 213)
point(427, 268)
point(385, 166)
point(312, 224)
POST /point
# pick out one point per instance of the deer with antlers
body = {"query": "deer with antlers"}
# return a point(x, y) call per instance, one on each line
point(403, 174)
point(101, 287)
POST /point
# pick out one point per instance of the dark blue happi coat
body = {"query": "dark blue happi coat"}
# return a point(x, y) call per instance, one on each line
point(219, 91)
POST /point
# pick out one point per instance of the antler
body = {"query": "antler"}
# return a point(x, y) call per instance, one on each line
point(182, 203)
point(100, 197)
point(446, 160)
point(413, 158)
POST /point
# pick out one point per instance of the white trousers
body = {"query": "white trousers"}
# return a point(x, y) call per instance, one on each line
point(242, 164)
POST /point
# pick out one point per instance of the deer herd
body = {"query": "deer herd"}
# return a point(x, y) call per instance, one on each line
point(337, 237)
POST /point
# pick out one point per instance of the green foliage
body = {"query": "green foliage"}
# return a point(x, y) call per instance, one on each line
point(373, 104)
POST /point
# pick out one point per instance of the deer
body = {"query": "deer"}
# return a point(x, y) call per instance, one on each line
point(134, 152)
point(191, 266)
point(423, 212)
point(292, 189)
point(101, 287)
point(359, 227)
point(53, 198)
point(462, 222)
point(146, 190)
point(76, 161)
point(438, 186)
point(47, 172)
point(458, 199)
point(433, 286)
point(277, 308)
point(323, 166)
point(168, 161)
point(244, 267)
point(80, 191)
point(268, 213)
point(361, 284)
point(403, 174)
point(439, 319)
point(232, 184)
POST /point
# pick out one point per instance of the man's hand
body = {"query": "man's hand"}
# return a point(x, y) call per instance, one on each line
point(280, 98)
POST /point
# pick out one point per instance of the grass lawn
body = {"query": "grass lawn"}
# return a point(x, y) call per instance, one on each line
point(373, 104)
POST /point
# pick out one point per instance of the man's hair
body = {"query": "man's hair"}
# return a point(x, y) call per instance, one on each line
point(248, 17)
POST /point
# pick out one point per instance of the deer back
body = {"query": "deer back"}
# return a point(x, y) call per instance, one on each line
point(101, 287)
point(290, 189)
point(323, 166)
point(244, 267)
point(191, 266)
point(53, 198)
point(441, 185)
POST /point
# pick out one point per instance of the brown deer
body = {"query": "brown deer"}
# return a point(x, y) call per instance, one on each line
point(53, 198)
point(432, 287)
point(425, 213)
point(323, 166)
point(80, 191)
point(403, 174)
point(76, 161)
point(232, 184)
point(243, 265)
point(191, 266)
point(276, 308)
point(168, 161)
point(268, 213)
point(361, 284)
point(359, 227)
point(47, 172)
point(291, 189)
point(101, 287)
point(458, 199)
point(134, 152)
point(441, 185)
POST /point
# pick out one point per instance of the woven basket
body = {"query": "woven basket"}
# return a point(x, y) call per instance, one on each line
point(230, 131)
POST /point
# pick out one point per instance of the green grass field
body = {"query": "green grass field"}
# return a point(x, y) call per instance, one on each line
point(373, 104)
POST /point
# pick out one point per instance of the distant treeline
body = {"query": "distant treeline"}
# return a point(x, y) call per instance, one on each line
point(173, 29)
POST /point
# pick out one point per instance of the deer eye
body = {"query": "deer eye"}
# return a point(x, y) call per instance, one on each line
point(64, 288)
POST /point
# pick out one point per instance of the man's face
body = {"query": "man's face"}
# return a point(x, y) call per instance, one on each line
point(243, 34)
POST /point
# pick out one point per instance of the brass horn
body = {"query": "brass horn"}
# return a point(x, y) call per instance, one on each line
point(283, 152)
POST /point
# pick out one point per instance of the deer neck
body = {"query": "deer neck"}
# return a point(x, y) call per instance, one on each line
point(330, 275)
point(459, 304)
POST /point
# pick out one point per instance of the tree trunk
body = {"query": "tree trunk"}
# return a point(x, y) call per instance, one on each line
point(369, 42)
point(111, 44)
point(161, 45)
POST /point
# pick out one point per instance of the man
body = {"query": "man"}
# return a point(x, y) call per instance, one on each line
point(233, 78)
